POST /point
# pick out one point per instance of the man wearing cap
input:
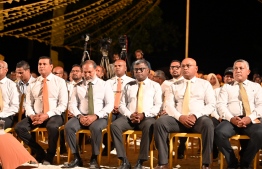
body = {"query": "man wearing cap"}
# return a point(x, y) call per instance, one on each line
point(216, 118)
point(240, 103)
point(228, 75)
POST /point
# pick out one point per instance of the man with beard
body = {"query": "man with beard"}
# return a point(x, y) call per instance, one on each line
point(91, 102)
point(175, 71)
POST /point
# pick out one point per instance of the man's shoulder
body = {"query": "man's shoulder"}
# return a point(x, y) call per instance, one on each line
point(131, 83)
point(128, 79)
point(9, 82)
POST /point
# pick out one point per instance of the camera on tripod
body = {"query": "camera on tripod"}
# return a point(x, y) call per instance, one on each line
point(122, 41)
point(105, 45)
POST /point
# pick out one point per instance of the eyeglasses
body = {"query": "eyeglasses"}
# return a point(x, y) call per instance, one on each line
point(187, 65)
point(174, 67)
point(139, 69)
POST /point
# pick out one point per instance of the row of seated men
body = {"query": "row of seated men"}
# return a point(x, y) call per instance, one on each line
point(135, 103)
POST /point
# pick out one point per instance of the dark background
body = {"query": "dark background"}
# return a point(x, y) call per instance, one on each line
point(220, 32)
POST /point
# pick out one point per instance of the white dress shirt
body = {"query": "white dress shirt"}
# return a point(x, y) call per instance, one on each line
point(103, 98)
point(70, 87)
point(152, 101)
point(215, 113)
point(165, 87)
point(57, 96)
point(113, 82)
point(230, 104)
point(23, 87)
point(10, 97)
point(202, 98)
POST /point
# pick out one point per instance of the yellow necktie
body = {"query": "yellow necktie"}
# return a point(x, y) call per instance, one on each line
point(244, 98)
point(118, 93)
point(140, 98)
point(45, 96)
point(185, 109)
point(1, 101)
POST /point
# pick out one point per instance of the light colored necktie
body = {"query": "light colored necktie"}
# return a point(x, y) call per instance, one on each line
point(244, 98)
point(1, 101)
point(140, 98)
point(90, 99)
point(185, 109)
point(45, 96)
point(118, 93)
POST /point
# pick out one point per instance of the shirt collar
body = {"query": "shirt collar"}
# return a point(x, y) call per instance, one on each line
point(122, 77)
point(94, 81)
point(49, 77)
point(29, 81)
point(3, 80)
point(181, 78)
point(192, 80)
point(146, 81)
point(245, 82)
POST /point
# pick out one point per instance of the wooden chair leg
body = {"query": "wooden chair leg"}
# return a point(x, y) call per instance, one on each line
point(221, 160)
point(151, 153)
point(69, 155)
point(171, 152)
point(109, 146)
point(58, 150)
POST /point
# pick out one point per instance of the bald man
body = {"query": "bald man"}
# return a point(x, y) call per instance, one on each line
point(9, 101)
point(120, 72)
point(58, 71)
point(195, 120)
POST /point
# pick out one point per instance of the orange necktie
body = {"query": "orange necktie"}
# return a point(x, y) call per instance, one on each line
point(45, 96)
point(118, 93)
point(140, 98)
point(185, 109)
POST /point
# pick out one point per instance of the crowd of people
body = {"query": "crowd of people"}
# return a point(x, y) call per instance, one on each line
point(142, 100)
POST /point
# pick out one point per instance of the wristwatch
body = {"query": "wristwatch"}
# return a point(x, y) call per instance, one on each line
point(78, 116)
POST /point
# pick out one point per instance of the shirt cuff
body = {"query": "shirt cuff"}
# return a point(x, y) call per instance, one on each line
point(253, 118)
point(50, 114)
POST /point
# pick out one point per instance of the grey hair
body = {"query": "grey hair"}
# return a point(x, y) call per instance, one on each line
point(140, 61)
point(243, 61)
point(160, 74)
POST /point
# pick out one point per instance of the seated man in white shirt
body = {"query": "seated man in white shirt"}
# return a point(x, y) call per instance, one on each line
point(9, 96)
point(139, 107)
point(189, 103)
point(119, 71)
point(91, 102)
point(240, 103)
point(46, 99)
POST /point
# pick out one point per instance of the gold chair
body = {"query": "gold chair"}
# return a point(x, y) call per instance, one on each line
point(176, 136)
point(88, 132)
point(238, 137)
point(20, 113)
point(135, 133)
point(42, 130)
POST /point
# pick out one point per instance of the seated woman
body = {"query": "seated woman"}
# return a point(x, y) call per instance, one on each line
point(12, 153)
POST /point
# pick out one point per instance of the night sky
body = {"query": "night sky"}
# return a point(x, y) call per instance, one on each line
point(221, 31)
